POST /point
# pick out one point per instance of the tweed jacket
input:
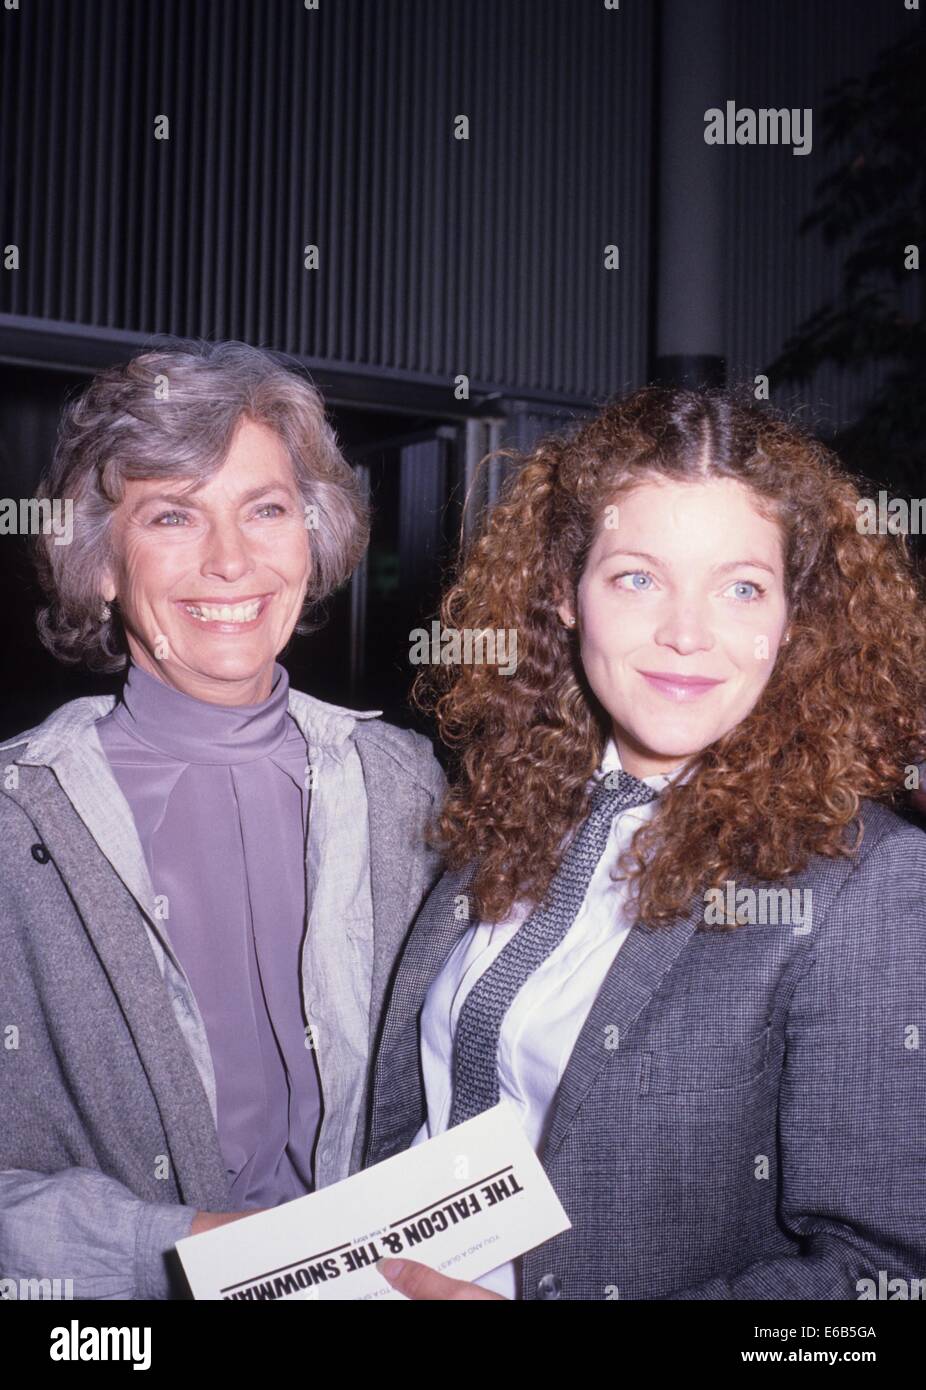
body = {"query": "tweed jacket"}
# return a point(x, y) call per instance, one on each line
point(108, 1139)
point(743, 1115)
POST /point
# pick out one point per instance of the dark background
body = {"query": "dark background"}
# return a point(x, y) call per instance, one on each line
point(442, 258)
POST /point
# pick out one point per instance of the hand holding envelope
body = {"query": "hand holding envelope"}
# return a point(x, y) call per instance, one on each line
point(420, 1282)
point(450, 1209)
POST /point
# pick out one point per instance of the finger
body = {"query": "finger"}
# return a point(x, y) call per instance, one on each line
point(419, 1281)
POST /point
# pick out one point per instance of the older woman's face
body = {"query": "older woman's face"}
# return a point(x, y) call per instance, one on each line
point(210, 584)
point(681, 611)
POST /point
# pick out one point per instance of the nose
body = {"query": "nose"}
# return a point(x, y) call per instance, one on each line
point(226, 554)
point(684, 628)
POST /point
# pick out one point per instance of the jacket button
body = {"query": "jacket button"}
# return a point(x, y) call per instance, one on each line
point(548, 1286)
point(40, 854)
point(182, 1004)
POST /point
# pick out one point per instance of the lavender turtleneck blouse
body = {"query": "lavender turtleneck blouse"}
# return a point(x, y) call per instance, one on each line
point(219, 798)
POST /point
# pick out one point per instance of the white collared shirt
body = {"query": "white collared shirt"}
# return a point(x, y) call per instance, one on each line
point(541, 1027)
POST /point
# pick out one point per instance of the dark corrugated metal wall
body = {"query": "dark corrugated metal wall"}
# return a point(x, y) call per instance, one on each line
point(335, 127)
point(790, 54)
point(437, 257)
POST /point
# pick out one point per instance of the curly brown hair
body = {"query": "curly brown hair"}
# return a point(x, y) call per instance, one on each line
point(840, 718)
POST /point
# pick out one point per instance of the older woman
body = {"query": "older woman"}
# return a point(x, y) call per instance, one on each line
point(695, 960)
point(204, 882)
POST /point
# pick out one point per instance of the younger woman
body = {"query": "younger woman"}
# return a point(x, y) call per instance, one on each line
point(682, 934)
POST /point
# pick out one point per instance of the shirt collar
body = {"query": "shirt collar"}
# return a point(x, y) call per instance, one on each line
point(70, 728)
point(190, 730)
point(611, 762)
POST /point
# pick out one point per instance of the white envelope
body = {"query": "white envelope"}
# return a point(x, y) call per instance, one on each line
point(464, 1202)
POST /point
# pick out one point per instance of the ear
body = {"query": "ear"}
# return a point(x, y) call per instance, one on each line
point(107, 585)
point(567, 616)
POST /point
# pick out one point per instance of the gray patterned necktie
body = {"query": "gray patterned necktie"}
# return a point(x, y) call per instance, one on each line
point(475, 1081)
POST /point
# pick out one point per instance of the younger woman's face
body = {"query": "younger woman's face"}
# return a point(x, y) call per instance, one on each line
point(681, 610)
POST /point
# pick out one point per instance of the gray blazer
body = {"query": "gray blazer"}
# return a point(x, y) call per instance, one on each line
point(108, 1141)
point(744, 1112)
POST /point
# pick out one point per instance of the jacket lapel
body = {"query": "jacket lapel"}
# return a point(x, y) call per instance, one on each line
point(389, 886)
point(639, 967)
point(444, 919)
point(398, 1099)
point(396, 886)
point(72, 747)
point(111, 921)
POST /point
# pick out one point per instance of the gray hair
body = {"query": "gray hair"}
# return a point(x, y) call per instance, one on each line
point(172, 413)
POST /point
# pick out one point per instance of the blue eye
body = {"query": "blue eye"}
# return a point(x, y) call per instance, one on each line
point(633, 575)
point(748, 584)
point(756, 591)
point(158, 520)
point(272, 506)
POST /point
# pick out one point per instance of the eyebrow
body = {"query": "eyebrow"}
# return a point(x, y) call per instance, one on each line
point(183, 499)
point(720, 569)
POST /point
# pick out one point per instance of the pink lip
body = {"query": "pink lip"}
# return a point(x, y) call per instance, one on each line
point(679, 688)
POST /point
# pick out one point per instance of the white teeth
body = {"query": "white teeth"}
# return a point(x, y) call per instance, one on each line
point(224, 612)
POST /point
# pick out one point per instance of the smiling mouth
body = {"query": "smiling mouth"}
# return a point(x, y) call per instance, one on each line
point(679, 688)
point(247, 611)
